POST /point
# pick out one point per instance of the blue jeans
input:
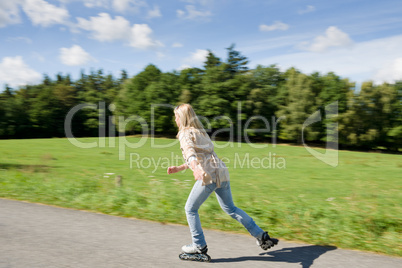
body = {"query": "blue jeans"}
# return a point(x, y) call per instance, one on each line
point(197, 197)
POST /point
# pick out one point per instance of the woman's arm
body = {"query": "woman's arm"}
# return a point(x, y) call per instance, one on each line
point(190, 155)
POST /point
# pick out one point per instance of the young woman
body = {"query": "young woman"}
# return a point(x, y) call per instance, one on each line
point(211, 175)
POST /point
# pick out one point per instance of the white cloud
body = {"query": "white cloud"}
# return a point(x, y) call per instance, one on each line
point(160, 55)
point(176, 44)
point(183, 67)
point(192, 13)
point(37, 56)
point(333, 37)
point(154, 13)
point(75, 56)
point(20, 39)
point(199, 56)
point(96, 3)
point(42, 13)
point(196, 58)
point(15, 72)
point(180, 13)
point(279, 42)
point(9, 12)
point(277, 25)
point(128, 5)
point(390, 72)
point(308, 9)
point(141, 37)
point(123, 6)
point(104, 28)
point(377, 59)
point(204, 3)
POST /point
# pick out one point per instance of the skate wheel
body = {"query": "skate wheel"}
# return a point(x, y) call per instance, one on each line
point(208, 259)
point(200, 257)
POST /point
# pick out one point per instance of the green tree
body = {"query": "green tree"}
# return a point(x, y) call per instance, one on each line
point(123, 76)
point(298, 107)
point(190, 85)
point(90, 91)
point(46, 114)
point(8, 122)
point(236, 62)
point(328, 89)
point(394, 132)
point(262, 99)
point(215, 98)
point(162, 96)
point(371, 118)
point(368, 118)
point(212, 60)
point(133, 99)
point(100, 90)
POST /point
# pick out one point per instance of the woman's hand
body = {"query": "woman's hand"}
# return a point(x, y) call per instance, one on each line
point(173, 169)
point(198, 174)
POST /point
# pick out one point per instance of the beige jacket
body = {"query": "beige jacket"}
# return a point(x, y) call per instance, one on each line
point(194, 144)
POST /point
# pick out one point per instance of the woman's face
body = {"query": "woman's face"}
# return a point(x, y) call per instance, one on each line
point(177, 120)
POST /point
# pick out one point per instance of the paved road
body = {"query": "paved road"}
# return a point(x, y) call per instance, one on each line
point(34, 235)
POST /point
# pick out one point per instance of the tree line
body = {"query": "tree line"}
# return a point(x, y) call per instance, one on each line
point(224, 92)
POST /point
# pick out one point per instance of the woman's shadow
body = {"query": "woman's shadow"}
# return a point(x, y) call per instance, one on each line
point(305, 255)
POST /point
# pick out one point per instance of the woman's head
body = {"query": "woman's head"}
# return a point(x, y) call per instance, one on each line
point(186, 117)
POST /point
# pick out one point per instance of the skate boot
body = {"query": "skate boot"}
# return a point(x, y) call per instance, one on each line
point(266, 242)
point(193, 253)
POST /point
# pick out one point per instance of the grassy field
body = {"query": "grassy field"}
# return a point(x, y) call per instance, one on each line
point(287, 191)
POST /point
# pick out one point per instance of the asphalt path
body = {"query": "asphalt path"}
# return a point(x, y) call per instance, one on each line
point(35, 235)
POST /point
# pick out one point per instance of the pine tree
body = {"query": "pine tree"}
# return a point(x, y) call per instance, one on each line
point(212, 60)
point(236, 63)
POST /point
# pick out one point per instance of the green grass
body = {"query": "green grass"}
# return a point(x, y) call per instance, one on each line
point(355, 205)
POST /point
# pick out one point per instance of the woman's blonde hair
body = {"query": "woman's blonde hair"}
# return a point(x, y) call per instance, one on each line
point(188, 118)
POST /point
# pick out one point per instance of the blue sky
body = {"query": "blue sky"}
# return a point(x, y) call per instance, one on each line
point(357, 39)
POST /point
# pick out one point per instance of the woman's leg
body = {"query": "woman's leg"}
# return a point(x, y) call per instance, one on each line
point(224, 196)
point(196, 198)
